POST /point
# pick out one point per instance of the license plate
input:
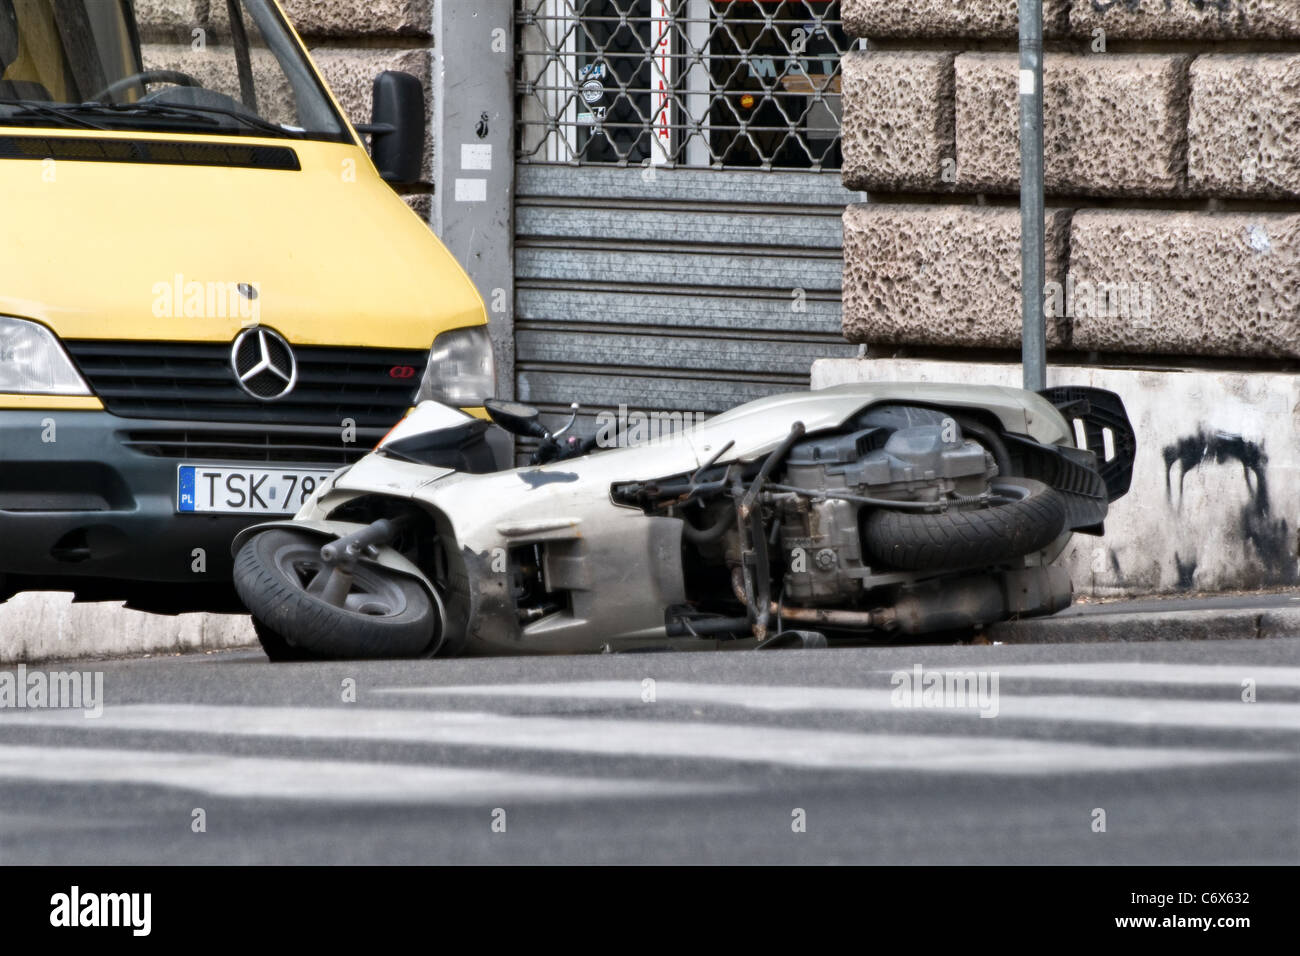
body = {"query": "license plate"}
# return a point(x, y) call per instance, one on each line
point(257, 491)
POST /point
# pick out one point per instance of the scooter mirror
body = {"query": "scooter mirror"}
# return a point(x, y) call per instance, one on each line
point(514, 417)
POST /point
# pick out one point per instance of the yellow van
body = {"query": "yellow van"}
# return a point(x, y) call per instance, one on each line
point(210, 296)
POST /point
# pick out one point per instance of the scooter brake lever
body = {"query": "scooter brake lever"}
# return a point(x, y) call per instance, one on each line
point(572, 418)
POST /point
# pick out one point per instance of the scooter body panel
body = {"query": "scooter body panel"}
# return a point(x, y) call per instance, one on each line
point(620, 568)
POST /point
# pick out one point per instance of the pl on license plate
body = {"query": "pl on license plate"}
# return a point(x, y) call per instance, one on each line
point(275, 491)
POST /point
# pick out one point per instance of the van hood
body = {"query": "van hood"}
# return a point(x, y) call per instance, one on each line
point(329, 254)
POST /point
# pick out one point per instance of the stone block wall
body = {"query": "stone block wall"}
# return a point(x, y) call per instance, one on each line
point(1172, 141)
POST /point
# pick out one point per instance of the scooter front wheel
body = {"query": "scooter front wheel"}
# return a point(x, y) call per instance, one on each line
point(276, 648)
point(293, 594)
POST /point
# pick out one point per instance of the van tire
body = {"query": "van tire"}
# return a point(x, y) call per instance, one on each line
point(1031, 516)
point(293, 624)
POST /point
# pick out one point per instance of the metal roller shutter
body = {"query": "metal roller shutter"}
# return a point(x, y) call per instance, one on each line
point(675, 250)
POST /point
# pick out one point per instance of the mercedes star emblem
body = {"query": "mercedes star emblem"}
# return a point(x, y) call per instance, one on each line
point(264, 364)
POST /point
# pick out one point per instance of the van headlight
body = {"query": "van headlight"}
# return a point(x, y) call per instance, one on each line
point(33, 362)
point(462, 371)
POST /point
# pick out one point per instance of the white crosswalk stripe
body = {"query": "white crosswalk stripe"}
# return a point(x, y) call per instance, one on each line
point(327, 781)
point(471, 753)
point(1133, 711)
point(668, 739)
point(1156, 672)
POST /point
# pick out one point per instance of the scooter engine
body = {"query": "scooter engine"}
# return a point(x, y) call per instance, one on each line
point(897, 453)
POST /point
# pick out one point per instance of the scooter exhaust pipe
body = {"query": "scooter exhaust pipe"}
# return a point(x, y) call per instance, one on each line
point(981, 599)
point(949, 604)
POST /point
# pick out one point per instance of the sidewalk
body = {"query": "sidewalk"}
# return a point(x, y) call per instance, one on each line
point(40, 627)
point(1234, 616)
point(47, 625)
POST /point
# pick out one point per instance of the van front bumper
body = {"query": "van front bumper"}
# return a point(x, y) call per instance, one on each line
point(83, 496)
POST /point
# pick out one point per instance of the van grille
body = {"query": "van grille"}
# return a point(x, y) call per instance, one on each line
point(194, 381)
point(309, 446)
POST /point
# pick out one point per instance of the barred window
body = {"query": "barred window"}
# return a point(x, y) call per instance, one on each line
point(723, 84)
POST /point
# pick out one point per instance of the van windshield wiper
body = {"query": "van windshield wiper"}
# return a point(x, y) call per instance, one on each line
point(75, 114)
point(72, 113)
point(60, 114)
point(207, 113)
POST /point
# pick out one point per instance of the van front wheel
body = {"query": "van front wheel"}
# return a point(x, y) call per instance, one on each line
point(279, 575)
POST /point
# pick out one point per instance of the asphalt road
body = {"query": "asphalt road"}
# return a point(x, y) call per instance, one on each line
point(570, 760)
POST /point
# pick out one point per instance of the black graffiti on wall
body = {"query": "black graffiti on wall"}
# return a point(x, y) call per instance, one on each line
point(1269, 537)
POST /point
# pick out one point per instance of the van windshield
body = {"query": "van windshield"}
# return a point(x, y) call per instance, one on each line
point(231, 68)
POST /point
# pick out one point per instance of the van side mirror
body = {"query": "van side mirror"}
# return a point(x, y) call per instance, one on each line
point(397, 127)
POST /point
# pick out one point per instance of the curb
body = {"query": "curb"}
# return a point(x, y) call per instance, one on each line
point(47, 626)
point(37, 627)
point(1120, 628)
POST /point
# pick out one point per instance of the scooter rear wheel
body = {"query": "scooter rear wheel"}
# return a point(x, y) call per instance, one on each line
point(280, 577)
point(1025, 516)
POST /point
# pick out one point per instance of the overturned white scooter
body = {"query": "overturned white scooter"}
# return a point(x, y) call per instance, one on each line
point(877, 512)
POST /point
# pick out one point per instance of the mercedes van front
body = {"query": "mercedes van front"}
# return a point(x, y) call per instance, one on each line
point(210, 297)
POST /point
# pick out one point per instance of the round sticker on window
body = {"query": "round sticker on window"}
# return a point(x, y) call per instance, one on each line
point(593, 91)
